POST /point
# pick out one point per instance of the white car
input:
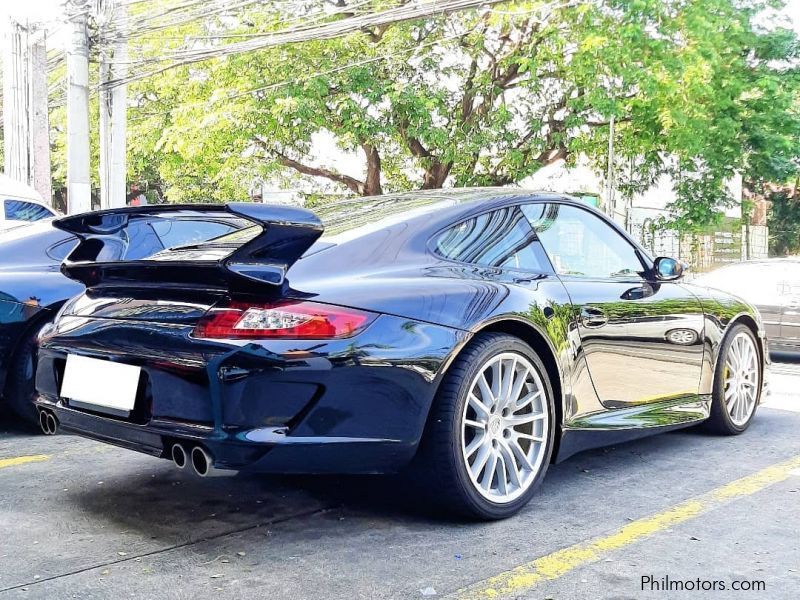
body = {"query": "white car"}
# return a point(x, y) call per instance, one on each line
point(20, 204)
point(19, 211)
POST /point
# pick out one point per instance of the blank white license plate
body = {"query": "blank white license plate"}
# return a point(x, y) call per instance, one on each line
point(100, 384)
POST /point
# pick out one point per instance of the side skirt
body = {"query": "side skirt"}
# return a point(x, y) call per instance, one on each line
point(624, 424)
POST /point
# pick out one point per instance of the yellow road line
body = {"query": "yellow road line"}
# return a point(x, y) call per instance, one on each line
point(22, 460)
point(552, 566)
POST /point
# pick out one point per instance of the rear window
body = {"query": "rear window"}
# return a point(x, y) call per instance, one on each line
point(181, 235)
point(19, 210)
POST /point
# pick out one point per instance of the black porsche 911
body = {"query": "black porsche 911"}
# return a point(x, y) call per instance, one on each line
point(473, 336)
point(33, 289)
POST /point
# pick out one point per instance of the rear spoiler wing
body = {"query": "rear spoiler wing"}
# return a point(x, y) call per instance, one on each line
point(286, 233)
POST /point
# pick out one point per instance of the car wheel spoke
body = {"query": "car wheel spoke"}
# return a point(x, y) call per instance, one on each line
point(519, 382)
point(489, 472)
point(480, 461)
point(487, 397)
point(527, 436)
point(501, 473)
point(479, 407)
point(515, 420)
point(525, 401)
point(476, 443)
point(497, 380)
point(508, 380)
point(511, 465)
point(520, 455)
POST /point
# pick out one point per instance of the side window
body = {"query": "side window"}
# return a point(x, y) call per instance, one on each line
point(580, 243)
point(501, 238)
point(19, 210)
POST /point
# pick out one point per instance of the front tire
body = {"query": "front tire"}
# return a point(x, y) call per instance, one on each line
point(491, 430)
point(737, 383)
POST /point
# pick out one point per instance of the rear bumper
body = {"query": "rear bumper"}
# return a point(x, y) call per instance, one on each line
point(285, 454)
point(355, 405)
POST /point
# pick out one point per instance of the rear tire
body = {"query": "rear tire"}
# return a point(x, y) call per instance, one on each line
point(737, 383)
point(21, 381)
point(490, 434)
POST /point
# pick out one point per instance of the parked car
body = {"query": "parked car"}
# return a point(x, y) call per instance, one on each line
point(33, 289)
point(20, 204)
point(773, 287)
point(473, 335)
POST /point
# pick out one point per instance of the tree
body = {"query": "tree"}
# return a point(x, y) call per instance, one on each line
point(784, 222)
point(483, 97)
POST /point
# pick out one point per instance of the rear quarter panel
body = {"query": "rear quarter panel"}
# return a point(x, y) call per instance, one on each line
point(721, 310)
point(471, 298)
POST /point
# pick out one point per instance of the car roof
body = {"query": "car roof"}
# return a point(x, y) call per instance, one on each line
point(353, 217)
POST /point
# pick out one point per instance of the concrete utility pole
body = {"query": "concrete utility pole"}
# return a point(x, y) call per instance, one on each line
point(25, 114)
point(79, 190)
point(113, 118)
point(611, 208)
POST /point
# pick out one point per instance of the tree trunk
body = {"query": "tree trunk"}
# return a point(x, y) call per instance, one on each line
point(372, 184)
point(436, 175)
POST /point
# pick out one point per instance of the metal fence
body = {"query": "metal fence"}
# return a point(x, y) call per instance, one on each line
point(704, 252)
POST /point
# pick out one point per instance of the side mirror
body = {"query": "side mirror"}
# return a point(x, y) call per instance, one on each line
point(667, 269)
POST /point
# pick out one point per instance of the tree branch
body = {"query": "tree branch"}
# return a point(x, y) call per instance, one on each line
point(351, 183)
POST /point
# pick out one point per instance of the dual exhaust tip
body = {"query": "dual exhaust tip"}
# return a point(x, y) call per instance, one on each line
point(48, 422)
point(198, 460)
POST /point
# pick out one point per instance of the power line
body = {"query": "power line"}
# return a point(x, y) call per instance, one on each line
point(367, 61)
point(325, 31)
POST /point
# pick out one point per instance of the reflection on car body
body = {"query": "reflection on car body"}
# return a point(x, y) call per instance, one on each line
point(475, 335)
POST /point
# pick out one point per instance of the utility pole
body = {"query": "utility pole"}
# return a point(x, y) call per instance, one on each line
point(40, 175)
point(113, 115)
point(25, 115)
point(79, 190)
point(611, 208)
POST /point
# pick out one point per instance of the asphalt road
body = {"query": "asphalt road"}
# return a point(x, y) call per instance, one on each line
point(79, 519)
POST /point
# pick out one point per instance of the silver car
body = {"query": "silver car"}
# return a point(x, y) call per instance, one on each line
point(773, 286)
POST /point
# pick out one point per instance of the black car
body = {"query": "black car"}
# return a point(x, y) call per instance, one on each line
point(474, 335)
point(33, 289)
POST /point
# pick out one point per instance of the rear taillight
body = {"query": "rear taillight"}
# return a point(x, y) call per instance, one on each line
point(289, 320)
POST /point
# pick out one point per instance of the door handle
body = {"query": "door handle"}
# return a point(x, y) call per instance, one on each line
point(591, 316)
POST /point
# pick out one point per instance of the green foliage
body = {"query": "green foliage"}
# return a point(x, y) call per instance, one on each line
point(475, 98)
point(784, 224)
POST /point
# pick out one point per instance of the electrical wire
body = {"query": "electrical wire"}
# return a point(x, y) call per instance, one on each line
point(324, 31)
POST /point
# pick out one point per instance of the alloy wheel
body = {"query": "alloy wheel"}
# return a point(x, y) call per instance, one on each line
point(505, 426)
point(741, 379)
